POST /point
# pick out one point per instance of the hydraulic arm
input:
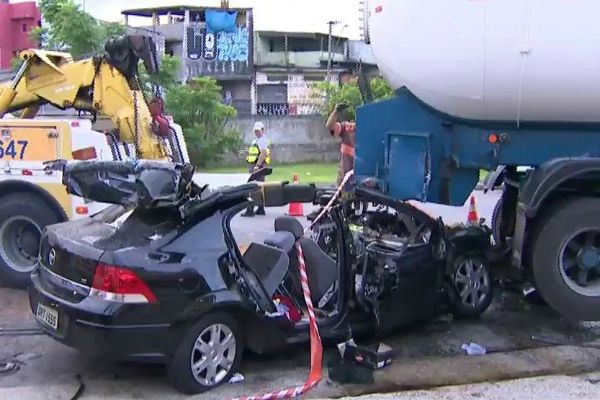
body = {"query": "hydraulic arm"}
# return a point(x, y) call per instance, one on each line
point(106, 85)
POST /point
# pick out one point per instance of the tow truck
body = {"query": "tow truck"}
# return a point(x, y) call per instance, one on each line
point(32, 195)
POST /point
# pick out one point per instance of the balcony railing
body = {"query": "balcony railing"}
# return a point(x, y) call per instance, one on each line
point(287, 109)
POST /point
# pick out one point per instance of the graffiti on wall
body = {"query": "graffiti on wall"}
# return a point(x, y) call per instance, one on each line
point(233, 46)
point(219, 52)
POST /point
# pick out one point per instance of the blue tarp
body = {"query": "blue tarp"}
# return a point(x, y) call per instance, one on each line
point(223, 21)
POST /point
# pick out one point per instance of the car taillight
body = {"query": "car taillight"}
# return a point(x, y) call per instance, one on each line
point(88, 153)
point(120, 285)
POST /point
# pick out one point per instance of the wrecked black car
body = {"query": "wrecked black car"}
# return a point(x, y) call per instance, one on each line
point(159, 276)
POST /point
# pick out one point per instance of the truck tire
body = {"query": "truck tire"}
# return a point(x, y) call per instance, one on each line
point(23, 217)
point(496, 218)
point(566, 259)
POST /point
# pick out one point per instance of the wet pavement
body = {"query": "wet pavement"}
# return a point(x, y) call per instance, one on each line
point(427, 356)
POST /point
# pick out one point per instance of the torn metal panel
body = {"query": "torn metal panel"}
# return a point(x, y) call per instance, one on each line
point(281, 194)
point(145, 184)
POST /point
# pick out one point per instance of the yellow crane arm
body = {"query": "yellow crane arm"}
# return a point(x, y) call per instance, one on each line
point(106, 85)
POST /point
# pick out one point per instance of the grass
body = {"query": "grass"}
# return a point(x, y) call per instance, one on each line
point(307, 173)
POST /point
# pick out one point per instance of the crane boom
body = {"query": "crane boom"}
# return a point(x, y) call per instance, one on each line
point(106, 84)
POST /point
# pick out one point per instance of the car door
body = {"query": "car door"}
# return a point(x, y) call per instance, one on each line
point(403, 285)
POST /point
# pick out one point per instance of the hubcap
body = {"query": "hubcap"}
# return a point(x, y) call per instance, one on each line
point(213, 354)
point(19, 243)
point(579, 262)
point(472, 282)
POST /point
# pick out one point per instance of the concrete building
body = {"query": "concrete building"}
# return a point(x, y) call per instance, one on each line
point(261, 72)
point(16, 22)
point(225, 55)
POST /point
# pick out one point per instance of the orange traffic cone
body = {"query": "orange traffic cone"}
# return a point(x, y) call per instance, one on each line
point(472, 217)
point(296, 209)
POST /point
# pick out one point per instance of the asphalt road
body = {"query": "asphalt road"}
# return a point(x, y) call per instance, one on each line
point(426, 357)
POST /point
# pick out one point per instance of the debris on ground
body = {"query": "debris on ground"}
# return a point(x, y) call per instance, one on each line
point(348, 372)
point(237, 378)
point(7, 367)
point(23, 357)
point(373, 356)
point(474, 349)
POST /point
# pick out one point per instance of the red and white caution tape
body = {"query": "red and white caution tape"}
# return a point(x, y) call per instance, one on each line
point(316, 347)
point(327, 208)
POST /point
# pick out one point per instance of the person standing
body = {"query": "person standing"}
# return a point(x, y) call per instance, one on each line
point(259, 155)
point(339, 126)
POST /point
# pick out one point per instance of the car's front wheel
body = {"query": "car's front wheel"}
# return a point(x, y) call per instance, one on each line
point(209, 354)
point(471, 287)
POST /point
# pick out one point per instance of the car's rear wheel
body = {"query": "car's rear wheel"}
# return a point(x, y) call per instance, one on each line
point(210, 353)
point(471, 287)
point(23, 217)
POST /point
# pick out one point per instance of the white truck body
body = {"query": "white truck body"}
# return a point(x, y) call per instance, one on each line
point(509, 60)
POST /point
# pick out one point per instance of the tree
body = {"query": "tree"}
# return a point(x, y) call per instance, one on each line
point(199, 109)
point(166, 79)
point(349, 93)
point(69, 28)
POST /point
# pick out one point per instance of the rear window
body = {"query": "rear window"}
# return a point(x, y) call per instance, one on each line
point(140, 228)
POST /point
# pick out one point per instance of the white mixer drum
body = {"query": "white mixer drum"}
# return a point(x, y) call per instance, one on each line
point(513, 60)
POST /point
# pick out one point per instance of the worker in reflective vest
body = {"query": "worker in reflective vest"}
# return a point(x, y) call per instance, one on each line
point(259, 155)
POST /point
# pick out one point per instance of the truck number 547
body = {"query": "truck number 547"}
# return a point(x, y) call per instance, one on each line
point(14, 149)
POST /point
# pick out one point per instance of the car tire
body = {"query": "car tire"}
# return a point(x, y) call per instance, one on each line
point(23, 216)
point(470, 276)
point(180, 371)
point(560, 226)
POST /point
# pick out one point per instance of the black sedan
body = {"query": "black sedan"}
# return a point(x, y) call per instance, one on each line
point(159, 276)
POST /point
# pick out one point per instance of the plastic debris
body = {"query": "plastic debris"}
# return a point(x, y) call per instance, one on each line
point(26, 357)
point(474, 349)
point(236, 378)
point(7, 366)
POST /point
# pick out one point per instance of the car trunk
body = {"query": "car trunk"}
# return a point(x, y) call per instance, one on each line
point(69, 253)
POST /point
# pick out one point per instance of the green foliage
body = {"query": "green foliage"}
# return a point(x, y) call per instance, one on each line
point(349, 93)
point(167, 78)
point(199, 109)
point(15, 63)
point(69, 28)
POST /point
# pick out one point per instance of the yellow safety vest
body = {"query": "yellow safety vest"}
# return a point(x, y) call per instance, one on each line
point(254, 152)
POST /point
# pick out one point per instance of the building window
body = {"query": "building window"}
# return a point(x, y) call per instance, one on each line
point(24, 28)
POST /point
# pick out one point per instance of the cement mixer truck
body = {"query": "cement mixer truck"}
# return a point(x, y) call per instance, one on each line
point(496, 85)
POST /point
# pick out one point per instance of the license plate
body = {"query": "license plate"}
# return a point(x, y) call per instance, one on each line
point(48, 316)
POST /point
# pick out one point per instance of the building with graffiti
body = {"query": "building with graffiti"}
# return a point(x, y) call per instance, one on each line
point(209, 42)
point(261, 72)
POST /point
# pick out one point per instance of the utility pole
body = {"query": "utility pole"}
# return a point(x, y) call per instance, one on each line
point(330, 45)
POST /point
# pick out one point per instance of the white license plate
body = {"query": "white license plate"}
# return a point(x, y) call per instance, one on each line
point(48, 316)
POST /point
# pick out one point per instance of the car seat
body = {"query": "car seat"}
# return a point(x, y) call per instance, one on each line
point(322, 270)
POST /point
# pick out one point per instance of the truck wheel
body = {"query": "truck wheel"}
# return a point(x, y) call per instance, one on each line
point(496, 218)
point(566, 259)
point(471, 287)
point(23, 217)
point(209, 354)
